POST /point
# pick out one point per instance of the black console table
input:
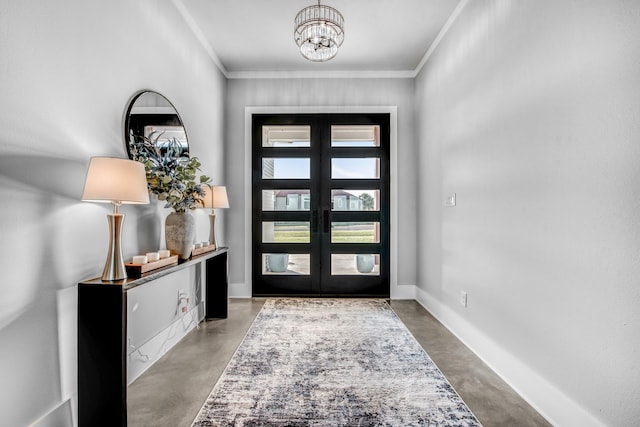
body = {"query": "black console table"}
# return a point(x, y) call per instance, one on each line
point(102, 335)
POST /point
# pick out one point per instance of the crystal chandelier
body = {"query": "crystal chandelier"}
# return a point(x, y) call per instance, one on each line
point(319, 32)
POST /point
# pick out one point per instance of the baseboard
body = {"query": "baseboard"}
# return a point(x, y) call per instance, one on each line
point(65, 414)
point(242, 290)
point(403, 292)
point(239, 290)
point(558, 408)
point(142, 358)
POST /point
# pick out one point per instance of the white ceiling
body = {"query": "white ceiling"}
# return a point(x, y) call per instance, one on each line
point(255, 37)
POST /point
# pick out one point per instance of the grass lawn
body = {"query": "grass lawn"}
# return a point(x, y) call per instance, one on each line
point(337, 236)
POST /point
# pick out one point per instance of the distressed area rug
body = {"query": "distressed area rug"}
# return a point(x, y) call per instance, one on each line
point(331, 362)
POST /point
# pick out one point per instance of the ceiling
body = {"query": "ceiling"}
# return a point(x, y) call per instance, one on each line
point(252, 38)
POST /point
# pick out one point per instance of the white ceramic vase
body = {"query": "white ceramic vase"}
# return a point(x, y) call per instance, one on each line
point(179, 233)
point(364, 263)
point(277, 263)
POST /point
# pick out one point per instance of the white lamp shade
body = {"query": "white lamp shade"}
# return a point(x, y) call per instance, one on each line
point(111, 179)
point(216, 197)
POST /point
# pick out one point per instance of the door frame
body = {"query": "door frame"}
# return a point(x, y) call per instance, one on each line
point(321, 280)
point(393, 181)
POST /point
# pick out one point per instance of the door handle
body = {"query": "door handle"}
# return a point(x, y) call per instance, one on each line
point(314, 221)
point(325, 220)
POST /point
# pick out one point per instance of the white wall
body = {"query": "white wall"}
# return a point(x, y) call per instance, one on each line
point(530, 112)
point(321, 93)
point(67, 72)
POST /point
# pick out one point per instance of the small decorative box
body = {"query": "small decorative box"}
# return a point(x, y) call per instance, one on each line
point(203, 250)
point(135, 271)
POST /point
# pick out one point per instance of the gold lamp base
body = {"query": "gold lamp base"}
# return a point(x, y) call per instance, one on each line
point(114, 267)
point(212, 230)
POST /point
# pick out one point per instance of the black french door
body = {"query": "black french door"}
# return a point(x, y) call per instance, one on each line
point(320, 214)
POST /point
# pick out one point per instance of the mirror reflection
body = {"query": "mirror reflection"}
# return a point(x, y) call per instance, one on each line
point(152, 118)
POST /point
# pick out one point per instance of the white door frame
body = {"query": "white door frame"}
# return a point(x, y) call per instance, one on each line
point(393, 180)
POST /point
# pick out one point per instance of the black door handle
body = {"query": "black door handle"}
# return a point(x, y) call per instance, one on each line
point(325, 221)
point(314, 221)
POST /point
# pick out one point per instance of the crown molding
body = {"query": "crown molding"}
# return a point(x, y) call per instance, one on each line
point(394, 74)
point(348, 74)
point(443, 31)
point(197, 32)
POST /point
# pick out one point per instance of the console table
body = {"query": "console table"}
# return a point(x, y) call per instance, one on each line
point(102, 335)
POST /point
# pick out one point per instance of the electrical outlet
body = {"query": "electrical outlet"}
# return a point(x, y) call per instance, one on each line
point(450, 201)
point(463, 298)
point(183, 301)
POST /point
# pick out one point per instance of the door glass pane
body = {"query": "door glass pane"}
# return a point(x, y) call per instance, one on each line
point(355, 232)
point(285, 168)
point(286, 264)
point(355, 264)
point(286, 136)
point(355, 168)
point(355, 200)
point(286, 200)
point(285, 232)
point(355, 136)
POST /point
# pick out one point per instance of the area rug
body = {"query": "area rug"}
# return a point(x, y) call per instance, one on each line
point(331, 362)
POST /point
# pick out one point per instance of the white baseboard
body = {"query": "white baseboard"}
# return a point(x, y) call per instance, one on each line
point(403, 292)
point(142, 358)
point(239, 290)
point(558, 408)
point(65, 414)
point(243, 290)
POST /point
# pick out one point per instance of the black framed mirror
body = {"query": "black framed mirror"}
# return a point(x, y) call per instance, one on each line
point(152, 116)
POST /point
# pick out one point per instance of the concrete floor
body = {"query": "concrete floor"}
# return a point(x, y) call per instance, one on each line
point(172, 391)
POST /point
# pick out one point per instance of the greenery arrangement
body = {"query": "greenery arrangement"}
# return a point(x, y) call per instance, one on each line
point(171, 172)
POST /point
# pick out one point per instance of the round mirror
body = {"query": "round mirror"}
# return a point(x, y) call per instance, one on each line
point(152, 117)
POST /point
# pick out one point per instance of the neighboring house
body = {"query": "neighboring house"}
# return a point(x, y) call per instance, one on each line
point(299, 200)
point(292, 200)
point(344, 201)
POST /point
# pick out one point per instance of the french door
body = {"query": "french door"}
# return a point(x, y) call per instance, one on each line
point(320, 224)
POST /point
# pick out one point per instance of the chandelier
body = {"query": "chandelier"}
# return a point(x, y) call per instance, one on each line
point(319, 32)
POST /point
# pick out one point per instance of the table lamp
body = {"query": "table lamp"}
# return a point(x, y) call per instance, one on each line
point(215, 198)
point(116, 181)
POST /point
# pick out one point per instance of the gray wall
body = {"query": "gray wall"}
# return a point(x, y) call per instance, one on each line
point(342, 92)
point(529, 111)
point(68, 70)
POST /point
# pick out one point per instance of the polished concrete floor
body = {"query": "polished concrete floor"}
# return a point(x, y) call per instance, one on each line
point(172, 391)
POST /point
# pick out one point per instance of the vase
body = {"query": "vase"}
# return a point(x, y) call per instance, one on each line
point(277, 263)
point(364, 263)
point(179, 233)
